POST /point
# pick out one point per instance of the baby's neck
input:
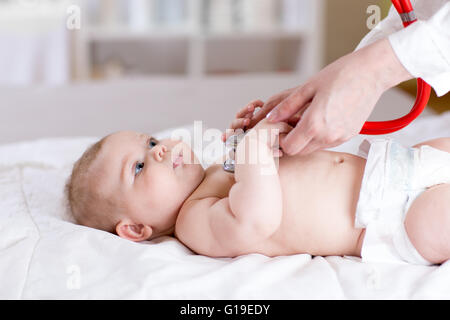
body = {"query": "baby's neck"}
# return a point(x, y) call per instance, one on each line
point(168, 232)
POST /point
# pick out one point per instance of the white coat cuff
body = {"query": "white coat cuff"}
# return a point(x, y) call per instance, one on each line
point(421, 56)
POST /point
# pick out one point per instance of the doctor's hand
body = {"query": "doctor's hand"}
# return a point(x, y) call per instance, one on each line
point(333, 106)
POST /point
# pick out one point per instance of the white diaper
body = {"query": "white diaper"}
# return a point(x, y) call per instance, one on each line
point(394, 177)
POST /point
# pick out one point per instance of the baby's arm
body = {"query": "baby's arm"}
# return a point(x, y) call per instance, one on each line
point(255, 199)
point(252, 211)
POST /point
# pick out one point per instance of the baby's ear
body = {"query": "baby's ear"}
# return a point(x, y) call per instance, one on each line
point(135, 232)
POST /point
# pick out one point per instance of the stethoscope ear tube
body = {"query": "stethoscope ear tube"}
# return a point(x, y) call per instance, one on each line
point(406, 11)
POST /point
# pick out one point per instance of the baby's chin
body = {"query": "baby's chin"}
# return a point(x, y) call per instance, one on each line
point(187, 167)
point(198, 172)
point(194, 175)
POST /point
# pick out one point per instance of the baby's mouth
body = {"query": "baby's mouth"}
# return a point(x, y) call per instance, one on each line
point(178, 161)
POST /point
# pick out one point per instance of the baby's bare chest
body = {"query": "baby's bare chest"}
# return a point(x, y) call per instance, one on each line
point(217, 183)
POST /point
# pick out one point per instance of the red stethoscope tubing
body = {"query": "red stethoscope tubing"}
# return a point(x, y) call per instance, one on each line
point(423, 91)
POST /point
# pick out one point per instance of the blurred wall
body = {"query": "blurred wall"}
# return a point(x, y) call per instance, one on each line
point(346, 25)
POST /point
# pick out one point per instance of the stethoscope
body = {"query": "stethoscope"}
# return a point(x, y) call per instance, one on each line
point(408, 16)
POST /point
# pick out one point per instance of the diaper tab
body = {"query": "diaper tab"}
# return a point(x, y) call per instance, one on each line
point(364, 148)
point(373, 184)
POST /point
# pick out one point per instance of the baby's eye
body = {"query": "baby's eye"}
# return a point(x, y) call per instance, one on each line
point(138, 168)
point(153, 142)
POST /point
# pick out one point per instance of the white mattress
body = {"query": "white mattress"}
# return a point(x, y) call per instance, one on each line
point(43, 255)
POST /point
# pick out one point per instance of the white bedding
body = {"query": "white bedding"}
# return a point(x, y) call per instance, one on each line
point(45, 256)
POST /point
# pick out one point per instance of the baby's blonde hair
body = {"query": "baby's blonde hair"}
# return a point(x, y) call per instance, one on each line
point(89, 205)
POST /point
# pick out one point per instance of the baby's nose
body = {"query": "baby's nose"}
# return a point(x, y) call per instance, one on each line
point(158, 152)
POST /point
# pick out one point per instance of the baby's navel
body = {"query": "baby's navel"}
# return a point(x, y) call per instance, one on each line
point(339, 160)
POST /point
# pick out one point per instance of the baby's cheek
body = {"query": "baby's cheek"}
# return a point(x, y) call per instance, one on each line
point(160, 182)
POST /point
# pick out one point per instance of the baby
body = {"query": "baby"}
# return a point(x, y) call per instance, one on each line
point(391, 203)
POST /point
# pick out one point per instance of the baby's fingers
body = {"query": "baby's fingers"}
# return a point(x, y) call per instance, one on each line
point(277, 153)
point(283, 127)
point(237, 124)
point(248, 110)
point(240, 123)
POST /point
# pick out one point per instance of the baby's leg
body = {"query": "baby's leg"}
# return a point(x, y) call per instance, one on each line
point(428, 224)
point(439, 143)
point(428, 220)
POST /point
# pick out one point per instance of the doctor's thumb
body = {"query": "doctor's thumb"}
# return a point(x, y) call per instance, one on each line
point(296, 140)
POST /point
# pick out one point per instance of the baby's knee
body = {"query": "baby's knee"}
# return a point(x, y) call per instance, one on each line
point(439, 143)
point(428, 224)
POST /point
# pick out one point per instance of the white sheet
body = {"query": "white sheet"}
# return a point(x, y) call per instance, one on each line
point(45, 256)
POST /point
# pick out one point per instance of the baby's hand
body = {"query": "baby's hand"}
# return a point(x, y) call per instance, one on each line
point(243, 119)
point(270, 133)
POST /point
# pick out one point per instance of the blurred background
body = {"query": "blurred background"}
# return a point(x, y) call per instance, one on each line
point(89, 67)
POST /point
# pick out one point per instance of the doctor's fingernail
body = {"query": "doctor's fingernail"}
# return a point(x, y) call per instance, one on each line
point(272, 115)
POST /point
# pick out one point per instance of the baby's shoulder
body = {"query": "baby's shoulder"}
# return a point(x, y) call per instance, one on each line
point(217, 176)
point(215, 168)
point(216, 184)
point(193, 227)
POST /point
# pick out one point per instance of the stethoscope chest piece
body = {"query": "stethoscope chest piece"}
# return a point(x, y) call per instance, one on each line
point(230, 151)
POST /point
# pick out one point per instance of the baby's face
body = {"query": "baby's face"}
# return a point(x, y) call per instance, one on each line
point(150, 178)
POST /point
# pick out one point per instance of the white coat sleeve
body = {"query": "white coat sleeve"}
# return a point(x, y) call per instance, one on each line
point(424, 47)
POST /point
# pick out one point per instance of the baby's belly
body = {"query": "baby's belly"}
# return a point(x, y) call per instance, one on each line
point(320, 194)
